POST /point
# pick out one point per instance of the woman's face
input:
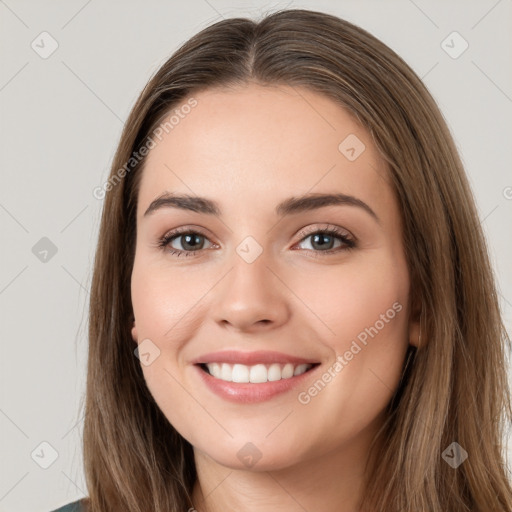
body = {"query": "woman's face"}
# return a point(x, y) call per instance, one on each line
point(258, 291)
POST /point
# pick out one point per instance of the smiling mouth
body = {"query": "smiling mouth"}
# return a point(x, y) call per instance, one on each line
point(255, 374)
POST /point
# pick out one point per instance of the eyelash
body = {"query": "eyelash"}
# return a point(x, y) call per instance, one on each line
point(164, 242)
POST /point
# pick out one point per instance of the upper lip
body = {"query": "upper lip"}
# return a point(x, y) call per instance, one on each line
point(251, 358)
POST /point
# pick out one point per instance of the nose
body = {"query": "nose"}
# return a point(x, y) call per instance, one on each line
point(251, 297)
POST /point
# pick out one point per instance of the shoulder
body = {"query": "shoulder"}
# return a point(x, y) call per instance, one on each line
point(75, 506)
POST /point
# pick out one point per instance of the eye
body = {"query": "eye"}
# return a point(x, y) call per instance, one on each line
point(190, 240)
point(323, 240)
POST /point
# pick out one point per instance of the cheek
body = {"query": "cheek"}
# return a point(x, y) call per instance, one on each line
point(366, 310)
point(347, 301)
point(362, 313)
point(164, 301)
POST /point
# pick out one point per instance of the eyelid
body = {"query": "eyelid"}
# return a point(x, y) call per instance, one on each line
point(325, 227)
point(342, 234)
point(303, 232)
point(171, 233)
point(164, 241)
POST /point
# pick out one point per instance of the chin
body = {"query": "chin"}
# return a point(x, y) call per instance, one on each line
point(269, 463)
point(250, 456)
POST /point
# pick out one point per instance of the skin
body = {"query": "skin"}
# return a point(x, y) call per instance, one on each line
point(249, 148)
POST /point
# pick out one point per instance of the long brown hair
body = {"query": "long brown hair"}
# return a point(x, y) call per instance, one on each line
point(455, 388)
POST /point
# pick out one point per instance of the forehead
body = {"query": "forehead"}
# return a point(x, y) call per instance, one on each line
point(254, 144)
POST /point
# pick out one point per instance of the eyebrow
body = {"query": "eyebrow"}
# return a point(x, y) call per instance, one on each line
point(290, 206)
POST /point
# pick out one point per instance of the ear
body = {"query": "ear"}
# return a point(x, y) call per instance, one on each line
point(134, 331)
point(415, 333)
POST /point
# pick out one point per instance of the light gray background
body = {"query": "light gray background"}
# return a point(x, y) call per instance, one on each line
point(61, 118)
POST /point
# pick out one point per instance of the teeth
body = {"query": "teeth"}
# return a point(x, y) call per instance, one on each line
point(300, 369)
point(226, 372)
point(257, 373)
point(287, 371)
point(240, 373)
point(274, 372)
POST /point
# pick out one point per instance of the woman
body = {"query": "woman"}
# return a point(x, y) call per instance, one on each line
point(292, 305)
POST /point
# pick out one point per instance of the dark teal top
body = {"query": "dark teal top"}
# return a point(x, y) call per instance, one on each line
point(75, 506)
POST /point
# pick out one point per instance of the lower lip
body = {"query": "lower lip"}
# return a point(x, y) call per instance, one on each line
point(252, 393)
